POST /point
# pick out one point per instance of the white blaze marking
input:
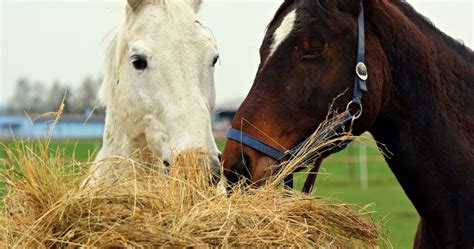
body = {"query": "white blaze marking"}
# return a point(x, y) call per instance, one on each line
point(282, 32)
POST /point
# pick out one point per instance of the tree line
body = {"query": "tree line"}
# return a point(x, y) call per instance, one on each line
point(37, 98)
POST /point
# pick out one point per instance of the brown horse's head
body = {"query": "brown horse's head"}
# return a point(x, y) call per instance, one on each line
point(308, 58)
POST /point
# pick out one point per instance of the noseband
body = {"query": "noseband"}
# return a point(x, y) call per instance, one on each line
point(360, 86)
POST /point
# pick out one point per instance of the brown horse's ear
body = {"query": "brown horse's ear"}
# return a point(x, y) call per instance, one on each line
point(133, 4)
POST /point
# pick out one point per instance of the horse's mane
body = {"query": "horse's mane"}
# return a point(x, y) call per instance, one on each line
point(321, 8)
point(317, 7)
point(426, 25)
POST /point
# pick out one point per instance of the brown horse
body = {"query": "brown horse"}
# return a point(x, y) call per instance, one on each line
point(419, 103)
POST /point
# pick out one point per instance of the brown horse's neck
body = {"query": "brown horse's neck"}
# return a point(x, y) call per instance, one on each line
point(427, 121)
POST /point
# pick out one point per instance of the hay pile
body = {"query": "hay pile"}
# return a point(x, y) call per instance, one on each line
point(45, 207)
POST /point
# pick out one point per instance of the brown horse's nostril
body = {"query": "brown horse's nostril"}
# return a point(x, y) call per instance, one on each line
point(220, 157)
point(242, 169)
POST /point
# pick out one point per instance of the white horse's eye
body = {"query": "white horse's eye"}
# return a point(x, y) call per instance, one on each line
point(139, 62)
point(216, 59)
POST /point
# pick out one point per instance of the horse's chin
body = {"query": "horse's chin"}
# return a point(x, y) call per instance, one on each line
point(263, 169)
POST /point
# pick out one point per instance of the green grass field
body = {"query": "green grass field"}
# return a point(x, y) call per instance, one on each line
point(339, 178)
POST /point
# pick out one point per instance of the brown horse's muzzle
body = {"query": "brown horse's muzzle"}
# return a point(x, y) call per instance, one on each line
point(242, 163)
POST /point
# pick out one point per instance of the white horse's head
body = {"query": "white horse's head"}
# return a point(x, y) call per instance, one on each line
point(159, 85)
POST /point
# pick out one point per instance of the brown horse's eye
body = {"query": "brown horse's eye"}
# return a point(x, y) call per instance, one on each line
point(313, 54)
point(309, 57)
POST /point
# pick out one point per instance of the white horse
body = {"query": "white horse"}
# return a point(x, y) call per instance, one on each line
point(159, 84)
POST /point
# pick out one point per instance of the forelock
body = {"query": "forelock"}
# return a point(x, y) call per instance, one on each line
point(317, 7)
point(174, 9)
point(280, 11)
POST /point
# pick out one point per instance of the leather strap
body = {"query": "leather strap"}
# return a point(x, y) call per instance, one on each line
point(361, 69)
point(255, 144)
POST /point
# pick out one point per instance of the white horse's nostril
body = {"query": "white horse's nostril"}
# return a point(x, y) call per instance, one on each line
point(215, 162)
point(222, 187)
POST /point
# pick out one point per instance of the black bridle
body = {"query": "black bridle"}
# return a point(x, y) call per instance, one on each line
point(360, 86)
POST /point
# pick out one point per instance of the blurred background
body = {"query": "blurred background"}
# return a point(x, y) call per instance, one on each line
point(50, 47)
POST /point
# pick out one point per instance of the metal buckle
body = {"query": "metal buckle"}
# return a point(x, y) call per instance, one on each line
point(358, 114)
point(361, 71)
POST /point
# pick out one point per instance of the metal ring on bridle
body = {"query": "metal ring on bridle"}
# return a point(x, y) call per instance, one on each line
point(358, 114)
point(361, 71)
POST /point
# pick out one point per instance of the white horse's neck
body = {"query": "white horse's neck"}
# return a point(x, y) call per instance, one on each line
point(115, 140)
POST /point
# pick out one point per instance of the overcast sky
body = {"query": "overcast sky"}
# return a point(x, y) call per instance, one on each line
point(65, 40)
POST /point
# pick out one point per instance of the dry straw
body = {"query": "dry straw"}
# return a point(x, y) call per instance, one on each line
point(45, 207)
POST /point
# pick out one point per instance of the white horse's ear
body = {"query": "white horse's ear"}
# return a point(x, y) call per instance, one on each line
point(195, 4)
point(133, 4)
